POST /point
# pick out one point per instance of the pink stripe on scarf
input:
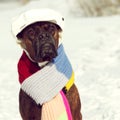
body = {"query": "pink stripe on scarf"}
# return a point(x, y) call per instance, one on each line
point(66, 106)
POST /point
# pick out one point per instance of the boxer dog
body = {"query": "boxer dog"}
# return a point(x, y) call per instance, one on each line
point(41, 40)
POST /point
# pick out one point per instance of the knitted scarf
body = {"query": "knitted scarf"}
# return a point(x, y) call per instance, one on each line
point(44, 85)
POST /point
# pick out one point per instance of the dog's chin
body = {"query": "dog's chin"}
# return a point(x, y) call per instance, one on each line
point(49, 57)
point(43, 60)
point(46, 57)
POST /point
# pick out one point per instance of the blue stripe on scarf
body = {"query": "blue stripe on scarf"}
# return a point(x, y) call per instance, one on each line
point(62, 63)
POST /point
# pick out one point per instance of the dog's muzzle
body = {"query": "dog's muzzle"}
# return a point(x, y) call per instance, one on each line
point(44, 47)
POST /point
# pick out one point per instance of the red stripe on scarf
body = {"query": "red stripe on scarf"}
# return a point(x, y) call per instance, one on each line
point(26, 67)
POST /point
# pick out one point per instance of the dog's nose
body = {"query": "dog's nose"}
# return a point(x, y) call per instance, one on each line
point(48, 53)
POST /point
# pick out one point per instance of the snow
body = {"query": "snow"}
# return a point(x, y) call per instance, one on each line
point(93, 47)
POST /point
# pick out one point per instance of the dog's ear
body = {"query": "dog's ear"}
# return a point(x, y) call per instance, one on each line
point(20, 40)
point(20, 36)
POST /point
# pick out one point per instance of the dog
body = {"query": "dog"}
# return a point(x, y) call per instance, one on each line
point(38, 32)
point(41, 41)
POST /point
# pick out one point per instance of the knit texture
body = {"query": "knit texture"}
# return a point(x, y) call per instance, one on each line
point(56, 109)
point(51, 79)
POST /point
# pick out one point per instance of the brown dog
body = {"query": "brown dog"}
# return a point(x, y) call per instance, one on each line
point(41, 41)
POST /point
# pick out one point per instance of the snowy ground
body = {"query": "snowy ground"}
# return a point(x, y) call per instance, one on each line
point(93, 46)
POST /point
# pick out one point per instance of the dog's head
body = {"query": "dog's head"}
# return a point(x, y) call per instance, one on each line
point(40, 40)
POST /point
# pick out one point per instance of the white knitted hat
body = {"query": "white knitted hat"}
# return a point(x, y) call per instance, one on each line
point(36, 15)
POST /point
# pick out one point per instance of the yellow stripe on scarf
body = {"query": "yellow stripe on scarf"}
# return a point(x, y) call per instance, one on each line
point(70, 82)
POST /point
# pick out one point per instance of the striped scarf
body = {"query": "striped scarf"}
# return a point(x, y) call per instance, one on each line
point(45, 85)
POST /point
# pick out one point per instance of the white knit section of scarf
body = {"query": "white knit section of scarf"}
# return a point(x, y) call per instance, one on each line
point(44, 84)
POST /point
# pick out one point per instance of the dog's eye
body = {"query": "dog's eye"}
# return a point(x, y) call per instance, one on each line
point(45, 27)
point(52, 29)
point(31, 34)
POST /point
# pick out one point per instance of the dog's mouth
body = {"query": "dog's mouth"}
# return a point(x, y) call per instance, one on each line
point(46, 53)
